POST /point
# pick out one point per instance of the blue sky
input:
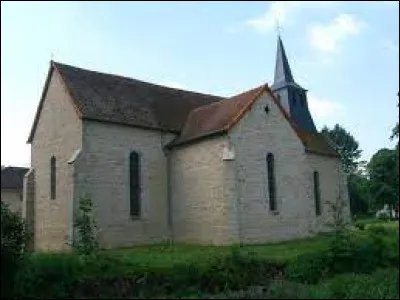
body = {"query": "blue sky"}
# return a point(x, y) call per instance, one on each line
point(345, 53)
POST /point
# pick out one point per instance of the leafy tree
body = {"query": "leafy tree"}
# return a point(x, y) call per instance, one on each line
point(359, 193)
point(346, 145)
point(384, 176)
point(395, 130)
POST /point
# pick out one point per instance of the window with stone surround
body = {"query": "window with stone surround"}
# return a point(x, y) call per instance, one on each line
point(271, 182)
point(134, 183)
point(53, 177)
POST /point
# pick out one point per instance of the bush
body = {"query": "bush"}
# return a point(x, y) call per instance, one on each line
point(382, 284)
point(347, 253)
point(56, 275)
point(307, 268)
point(47, 276)
point(13, 238)
point(85, 241)
point(221, 273)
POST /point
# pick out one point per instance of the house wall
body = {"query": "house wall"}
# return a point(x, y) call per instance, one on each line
point(257, 134)
point(58, 133)
point(202, 212)
point(13, 198)
point(102, 171)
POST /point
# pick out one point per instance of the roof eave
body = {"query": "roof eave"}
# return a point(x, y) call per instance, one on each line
point(175, 144)
point(313, 151)
point(39, 108)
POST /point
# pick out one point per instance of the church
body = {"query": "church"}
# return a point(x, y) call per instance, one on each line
point(167, 165)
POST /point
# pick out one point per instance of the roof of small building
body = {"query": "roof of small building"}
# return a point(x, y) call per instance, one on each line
point(191, 115)
point(12, 177)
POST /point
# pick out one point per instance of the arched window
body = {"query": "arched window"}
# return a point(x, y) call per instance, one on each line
point(317, 195)
point(53, 177)
point(134, 182)
point(271, 182)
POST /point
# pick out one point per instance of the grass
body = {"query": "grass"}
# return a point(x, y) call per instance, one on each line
point(375, 221)
point(165, 255)
point(169, 255)
point(181, 269)
point(381, 284)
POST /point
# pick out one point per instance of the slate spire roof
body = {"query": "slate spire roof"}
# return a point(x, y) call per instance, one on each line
point(283, 74)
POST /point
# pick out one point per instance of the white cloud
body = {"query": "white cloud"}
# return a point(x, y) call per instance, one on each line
point(280, 11)
point(327, 38)
point(325, 111)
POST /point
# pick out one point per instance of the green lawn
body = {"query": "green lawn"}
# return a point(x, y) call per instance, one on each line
point(168, 255)
point(165, 255)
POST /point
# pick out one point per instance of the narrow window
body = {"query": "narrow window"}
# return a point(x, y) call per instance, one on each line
point(271, 182)
point(53, 178)
point(317, 195)
point(134, 181)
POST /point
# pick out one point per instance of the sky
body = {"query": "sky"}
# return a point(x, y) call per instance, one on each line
point(346, 54)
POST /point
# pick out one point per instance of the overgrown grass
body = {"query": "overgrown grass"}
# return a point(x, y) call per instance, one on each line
point(168, 255)
point(179, 270)
point(381, 284)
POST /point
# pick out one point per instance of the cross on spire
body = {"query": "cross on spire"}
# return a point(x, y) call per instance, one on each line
point(279, 28)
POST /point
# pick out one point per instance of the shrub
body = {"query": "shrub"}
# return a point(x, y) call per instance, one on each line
point(307, 268)
point(56, 275)
point(85, 241)
point(382, 284)
point(13, 238)
point(348, 252)
point(47, 276)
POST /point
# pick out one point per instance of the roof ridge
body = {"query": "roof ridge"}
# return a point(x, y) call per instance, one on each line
point(137, 80)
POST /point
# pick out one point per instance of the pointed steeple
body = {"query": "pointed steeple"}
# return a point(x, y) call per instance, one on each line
point(283, 74)
point(293, 97)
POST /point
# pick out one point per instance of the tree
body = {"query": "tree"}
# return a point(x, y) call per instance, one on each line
point(395, 130)
point(346, 145)
point(384, 176)
point(359, 193)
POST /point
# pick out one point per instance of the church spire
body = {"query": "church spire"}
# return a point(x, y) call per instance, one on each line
point(283, 74)
point(293, 97)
